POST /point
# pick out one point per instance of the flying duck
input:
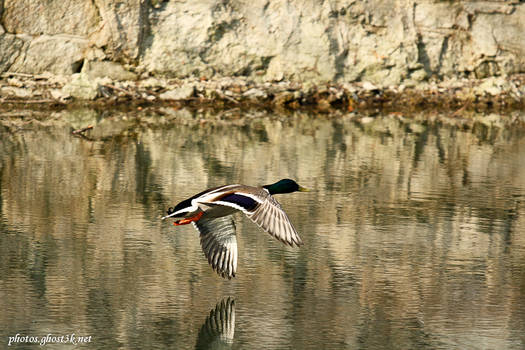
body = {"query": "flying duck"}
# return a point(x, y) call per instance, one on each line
point(211, 212)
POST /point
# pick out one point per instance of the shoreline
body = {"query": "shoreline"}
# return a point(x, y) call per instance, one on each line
point(51, 92)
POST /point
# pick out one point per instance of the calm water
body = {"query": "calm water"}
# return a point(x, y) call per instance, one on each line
point(414, 233)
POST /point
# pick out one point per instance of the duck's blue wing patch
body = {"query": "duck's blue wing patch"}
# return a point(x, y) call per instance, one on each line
point(245, 202)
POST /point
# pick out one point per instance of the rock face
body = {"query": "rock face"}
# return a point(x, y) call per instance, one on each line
point(383, 42)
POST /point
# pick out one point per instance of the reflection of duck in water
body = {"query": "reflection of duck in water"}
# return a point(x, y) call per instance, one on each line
point(210, 212)
point(218, 330)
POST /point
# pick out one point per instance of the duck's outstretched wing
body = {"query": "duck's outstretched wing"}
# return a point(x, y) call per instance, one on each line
point(265, 211)
point(270, 216)
point(219, 244)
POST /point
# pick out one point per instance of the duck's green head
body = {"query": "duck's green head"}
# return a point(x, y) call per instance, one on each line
point(284, 186)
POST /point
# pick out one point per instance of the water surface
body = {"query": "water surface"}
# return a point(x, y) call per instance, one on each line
point(414, 232)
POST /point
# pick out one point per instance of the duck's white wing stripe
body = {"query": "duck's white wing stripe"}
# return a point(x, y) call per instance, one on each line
point(271, 217)
point(228, 204)
point(219, 244)
point(212, 195)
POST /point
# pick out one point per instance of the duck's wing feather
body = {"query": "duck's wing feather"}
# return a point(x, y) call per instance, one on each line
point(219, 244)
point(270, 216)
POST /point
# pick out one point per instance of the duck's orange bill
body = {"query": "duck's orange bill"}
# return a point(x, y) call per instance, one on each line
point(188, 220)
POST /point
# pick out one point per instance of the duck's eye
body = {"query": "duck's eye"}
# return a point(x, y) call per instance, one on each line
point(170, 210)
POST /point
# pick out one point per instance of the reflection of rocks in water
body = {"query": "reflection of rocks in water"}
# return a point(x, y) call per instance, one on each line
point(218, 330)
point(395, 199)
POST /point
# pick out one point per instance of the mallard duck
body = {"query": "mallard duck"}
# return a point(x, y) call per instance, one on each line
point(211, 213)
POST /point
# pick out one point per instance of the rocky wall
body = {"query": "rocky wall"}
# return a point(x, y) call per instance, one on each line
point(383, 42)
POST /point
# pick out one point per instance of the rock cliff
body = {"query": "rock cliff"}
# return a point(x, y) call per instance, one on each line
point(384, 42)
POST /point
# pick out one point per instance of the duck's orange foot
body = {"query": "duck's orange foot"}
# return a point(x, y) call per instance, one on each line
point(188, 220)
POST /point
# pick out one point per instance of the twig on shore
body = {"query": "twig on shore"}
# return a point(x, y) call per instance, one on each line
point(458, 112)
point(24, 75)
point(226, 97)
point(82, 130)
point(116, 88)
